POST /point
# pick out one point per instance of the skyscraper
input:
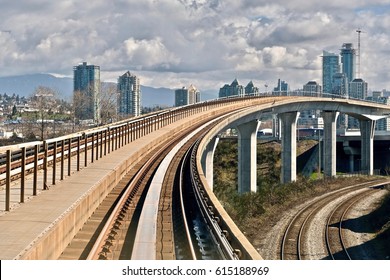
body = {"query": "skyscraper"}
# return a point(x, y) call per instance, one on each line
point(310, 118)
point(312, 88)
point(340, 85)
point(358, 89)
point(251, 89)
point(282, 87)
point(86, 94)
point(235, 89)
point(194, 94)
point(348, 61)
point(129, 99)
point(187, 96)
point(181, 97)
point(330, 67)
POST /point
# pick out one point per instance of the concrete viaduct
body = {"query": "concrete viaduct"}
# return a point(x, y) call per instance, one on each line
point(36, 232)
point(248, 121)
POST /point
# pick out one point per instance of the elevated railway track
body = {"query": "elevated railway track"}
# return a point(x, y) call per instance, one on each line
point(148, 216)
point(45, 164)
point(114, 223)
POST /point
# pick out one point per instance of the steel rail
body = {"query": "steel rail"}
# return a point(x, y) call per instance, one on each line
point(220, 235)
point(318, 203)
point(183, 207)
point(144, 244)
point(349, 202)
point(105, 232)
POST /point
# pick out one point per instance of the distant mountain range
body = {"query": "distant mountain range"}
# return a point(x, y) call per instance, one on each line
point(25, 85)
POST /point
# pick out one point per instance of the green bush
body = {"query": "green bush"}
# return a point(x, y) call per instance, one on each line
point(242, 207)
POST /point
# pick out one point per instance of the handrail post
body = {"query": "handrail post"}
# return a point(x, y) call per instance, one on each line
point(8, 182)
point(93, 147)
point(45, 147)
point(123, 135)
point(105, 142)
point(115, 140)
point(85, 150)
point(62, 159)
point(35, 182)
point(69, 155)
point(23, 175)
point(108, 140)
point(78, 153)
point(97, 146)
point(101, 144)
point(54, 163)
point(120, 142)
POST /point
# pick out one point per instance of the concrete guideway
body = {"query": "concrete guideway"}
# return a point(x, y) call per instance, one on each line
point(42, 227)
point(288, 112)
point(145, 240)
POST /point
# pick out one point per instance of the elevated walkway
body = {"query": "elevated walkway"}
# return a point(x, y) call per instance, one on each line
point(42, 226)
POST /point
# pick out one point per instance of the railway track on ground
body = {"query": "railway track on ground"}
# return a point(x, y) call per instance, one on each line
point(334, 231)
point(293, 241)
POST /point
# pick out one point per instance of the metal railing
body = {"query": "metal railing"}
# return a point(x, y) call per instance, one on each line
point(66, 155)
point(18, 161)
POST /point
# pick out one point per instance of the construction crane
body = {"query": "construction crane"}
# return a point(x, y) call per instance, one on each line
point(359, 31)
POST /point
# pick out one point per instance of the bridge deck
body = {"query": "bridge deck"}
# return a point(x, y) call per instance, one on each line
point(23, 226)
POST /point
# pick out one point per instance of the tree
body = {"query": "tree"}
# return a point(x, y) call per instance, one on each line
point(108, 102)
point(43, 101)
point(14, 111)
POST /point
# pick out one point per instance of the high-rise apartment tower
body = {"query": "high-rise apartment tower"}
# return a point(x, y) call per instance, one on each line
point(187, 96)
point(129, 99)
point(348, 61)
point(86, 95)
point(330, 67)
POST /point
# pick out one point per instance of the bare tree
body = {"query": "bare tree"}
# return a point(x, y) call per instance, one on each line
point(86, 103)
point(43, 101)
point(81, 105)
point(108, 103)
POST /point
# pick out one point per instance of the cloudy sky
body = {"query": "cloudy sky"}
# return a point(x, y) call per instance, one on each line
point(172, 43)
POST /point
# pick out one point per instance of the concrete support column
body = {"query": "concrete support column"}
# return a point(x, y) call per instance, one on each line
point(275, 126)
point(289, 146)
point(247, 155)
point(351, 163)
point(329, 146)
point(351, 152)
point(208, 161)
point(367, 130)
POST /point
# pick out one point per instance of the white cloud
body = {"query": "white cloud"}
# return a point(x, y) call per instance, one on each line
point(149, 54)
point(208, 41)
